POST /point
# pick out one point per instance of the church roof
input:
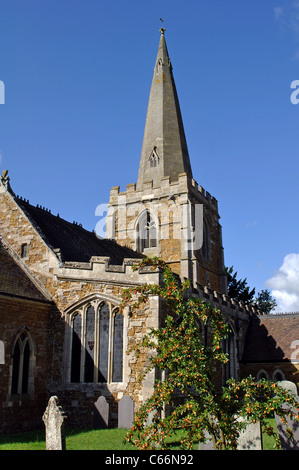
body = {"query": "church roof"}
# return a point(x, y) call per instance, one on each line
point(271, 338)
point(75, 243)
point(164, 150)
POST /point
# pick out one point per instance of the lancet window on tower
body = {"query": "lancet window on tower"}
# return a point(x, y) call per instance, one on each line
point(159, 65)
point(146, 232)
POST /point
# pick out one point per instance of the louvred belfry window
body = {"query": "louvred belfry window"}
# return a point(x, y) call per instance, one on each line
point(146, 232)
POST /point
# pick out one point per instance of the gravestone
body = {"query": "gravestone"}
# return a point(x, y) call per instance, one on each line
point(125, 412)
point(2, 354)
point(101, 413)
point(208, 445)
point(285, 441)
point(53, 419)
point(288, 385)
point(250, 438)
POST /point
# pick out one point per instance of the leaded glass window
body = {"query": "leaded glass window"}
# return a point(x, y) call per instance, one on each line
point(146, 233)
point(118, 347)
point(21, 355)
point(76, 347)
point(89, 344)
point(97, 343)
point(104, 316)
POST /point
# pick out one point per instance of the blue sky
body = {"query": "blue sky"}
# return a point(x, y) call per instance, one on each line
point(77, 76)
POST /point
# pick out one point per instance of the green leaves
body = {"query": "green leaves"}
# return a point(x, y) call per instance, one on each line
point(188, 354)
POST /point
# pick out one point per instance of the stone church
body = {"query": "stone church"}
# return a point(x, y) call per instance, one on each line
point(60, 285)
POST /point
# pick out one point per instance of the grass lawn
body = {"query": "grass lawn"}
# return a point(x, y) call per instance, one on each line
point(101, 439)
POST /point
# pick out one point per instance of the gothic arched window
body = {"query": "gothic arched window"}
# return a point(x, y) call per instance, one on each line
point(278, 375)
point(146, 232)
point(262, 374)
point(97, 343)
point(22, 354)
point(76, 347)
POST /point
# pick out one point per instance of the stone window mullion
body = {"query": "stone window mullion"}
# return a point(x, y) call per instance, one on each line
point(110, 346)
point(21, 361)
point(97, 329)
point(82, 362)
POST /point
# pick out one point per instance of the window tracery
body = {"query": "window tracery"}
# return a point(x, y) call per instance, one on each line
point(146, 232)
point(22, 364)
point(96, 343)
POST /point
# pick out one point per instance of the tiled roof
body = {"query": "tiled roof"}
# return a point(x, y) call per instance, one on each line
point(75, 243)
point(270, 338)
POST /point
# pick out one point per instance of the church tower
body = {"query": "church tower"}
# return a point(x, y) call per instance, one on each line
point(164, 149)
point(166, 214)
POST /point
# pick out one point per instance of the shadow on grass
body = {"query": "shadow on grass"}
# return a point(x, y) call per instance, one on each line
point(34, 440)
point(76, 439)
point(90, 439)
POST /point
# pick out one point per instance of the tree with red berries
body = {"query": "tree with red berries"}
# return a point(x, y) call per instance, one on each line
point(188, 362)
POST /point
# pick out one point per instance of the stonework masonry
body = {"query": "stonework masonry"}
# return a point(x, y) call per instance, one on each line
point(173, 206)
point(70, 284)
point(76, 273)
point(61, 331)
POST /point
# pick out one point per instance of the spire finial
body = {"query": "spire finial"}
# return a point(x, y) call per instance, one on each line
point(162, 30)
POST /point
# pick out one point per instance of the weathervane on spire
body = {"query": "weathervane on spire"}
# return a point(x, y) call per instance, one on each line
point(162, 30)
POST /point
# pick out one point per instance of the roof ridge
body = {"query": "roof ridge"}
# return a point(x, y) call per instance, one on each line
point(71, 241)
point(48, 211)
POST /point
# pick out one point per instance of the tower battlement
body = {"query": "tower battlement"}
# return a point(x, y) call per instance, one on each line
point(168, 189)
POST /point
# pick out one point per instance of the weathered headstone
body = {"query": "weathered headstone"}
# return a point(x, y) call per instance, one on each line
point(101, 413)
point(2, 354)
point(285, 441)
point(250, 437)
point(288, 385)
point(53, 419)
point(208, 445)
point(125, 412)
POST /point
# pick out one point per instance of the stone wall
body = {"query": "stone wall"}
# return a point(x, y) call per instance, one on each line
point(170, 205)
point(18, 413)
point(68, 284)
point(72, 284)
point(16, 230)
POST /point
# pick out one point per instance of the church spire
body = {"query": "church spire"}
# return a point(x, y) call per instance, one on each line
point(164, 150)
